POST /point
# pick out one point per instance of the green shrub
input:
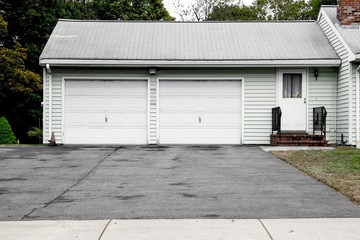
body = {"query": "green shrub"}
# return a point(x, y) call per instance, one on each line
point(35, 132)
point(6, 133)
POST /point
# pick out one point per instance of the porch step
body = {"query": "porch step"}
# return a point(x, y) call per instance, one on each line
point(304, 139)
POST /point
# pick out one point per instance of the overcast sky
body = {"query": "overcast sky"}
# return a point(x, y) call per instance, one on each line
point(169, 4)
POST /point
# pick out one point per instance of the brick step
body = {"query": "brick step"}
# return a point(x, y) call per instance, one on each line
point(317, 144)
point(303, 139)
point(296, 137)
point(300, 143)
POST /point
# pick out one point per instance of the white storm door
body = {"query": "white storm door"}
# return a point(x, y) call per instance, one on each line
point(292, 100)
point(105, 112)
point(200, 112)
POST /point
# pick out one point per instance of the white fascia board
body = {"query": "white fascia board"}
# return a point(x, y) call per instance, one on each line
point(352, 56)
point(163, 63)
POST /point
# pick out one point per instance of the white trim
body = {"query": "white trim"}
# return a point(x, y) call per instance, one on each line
point(357, 111)
point(157, 111)
point(44, 106)
point(277, 85)
point(336, 103)
point(350, 105)
point(352, 56)
point(50, 106)
point(242, 140)
point(69, 78)
point(241, 79)
point(304, 73)
point(191, 63)
point(307, 80)
point(148, 111)
point(62, 109)
point(201, 78)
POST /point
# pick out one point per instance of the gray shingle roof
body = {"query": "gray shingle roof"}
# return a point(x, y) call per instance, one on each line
point(351, 34)
point(187, 41)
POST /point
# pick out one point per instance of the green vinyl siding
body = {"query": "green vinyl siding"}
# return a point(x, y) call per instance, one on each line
point(322, 92)
point(344, 102)
point(258, 84)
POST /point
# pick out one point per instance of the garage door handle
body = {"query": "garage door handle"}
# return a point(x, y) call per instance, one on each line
point(106, 119)
point(199, 119)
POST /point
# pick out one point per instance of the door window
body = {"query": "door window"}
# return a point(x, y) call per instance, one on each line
point(292, 85)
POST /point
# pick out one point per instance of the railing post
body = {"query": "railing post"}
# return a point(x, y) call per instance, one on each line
point(319, 120)
point(276, 120)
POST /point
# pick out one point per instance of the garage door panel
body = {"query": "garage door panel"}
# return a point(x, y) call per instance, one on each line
point(126, 119)
point(105, 112)
point(200, 112)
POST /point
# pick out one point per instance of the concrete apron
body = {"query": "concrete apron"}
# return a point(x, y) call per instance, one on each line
point(184, 229)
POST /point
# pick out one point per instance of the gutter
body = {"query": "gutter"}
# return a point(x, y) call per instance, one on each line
point(190, 63)
point(49, 73)
point(357, 111)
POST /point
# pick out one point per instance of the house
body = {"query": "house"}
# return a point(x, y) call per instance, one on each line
point(121, 82)
point(341, 25)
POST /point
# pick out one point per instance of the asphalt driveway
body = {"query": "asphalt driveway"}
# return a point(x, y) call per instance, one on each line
point(65, 182)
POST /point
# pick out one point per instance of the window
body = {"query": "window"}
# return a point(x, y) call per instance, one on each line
point(292, 85)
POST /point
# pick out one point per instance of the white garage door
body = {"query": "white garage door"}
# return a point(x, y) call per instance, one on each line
point(105, 112)
point(200, 112)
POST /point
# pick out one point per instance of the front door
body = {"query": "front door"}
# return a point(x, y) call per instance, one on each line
point(292, 100)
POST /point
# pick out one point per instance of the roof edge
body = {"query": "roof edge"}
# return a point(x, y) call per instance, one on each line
point(174, 63)
point(180, 22)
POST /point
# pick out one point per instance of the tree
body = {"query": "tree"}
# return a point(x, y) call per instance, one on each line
point(282, 9)
point(316, 4)
point(25, 26)
point(6, 134)
point(19, 87)
point(233, 12)
point(129, 10)
point(199, 10)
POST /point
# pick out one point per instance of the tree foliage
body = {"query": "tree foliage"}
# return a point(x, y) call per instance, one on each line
point(316, 4)
point(233, 12)
point(6, 134)
point(282, 9)
point(25, 26)
point(220, 10)
point(200, 10)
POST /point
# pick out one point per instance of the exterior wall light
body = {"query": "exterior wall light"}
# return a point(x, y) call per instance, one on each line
point(316, 73)
point(152, 71)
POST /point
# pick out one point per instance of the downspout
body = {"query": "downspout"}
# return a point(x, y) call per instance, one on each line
point(336, 102)
point(44, 103)
point(48, 71)
point(350, 140)
point(357, 112)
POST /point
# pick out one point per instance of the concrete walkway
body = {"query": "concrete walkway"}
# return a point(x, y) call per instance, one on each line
point(200, 229)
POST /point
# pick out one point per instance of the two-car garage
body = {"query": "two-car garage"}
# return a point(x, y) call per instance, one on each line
point(189, 111)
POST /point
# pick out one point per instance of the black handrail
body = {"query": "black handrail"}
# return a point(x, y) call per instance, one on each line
point(319, 120)
point(276, 119)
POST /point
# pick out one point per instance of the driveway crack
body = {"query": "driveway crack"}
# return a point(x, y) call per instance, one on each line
point(267, 231)
point(103, 231)
point(72, 186)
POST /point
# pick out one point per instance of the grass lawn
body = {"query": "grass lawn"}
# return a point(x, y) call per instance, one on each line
point(339, 168)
